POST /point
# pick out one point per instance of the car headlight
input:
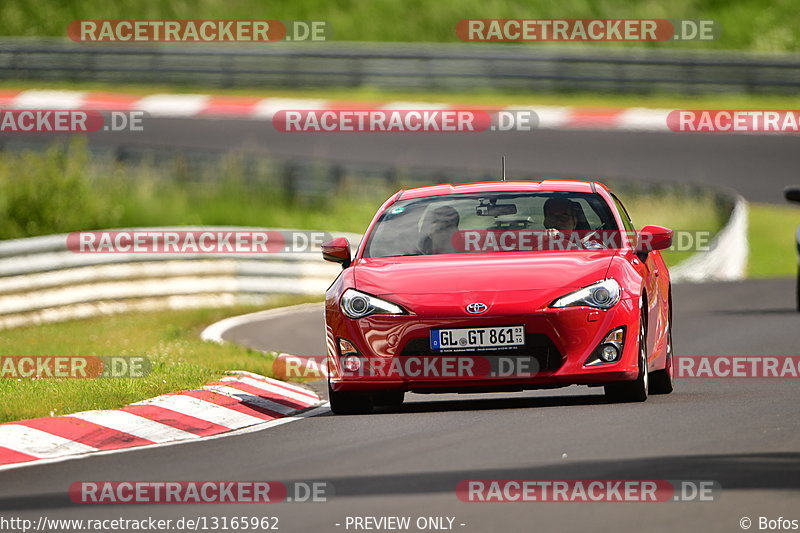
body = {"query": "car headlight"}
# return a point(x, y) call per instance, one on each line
point(357, 304)
point(602, 295)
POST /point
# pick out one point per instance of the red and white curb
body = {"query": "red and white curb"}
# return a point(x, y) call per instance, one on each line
point(209, 106)
point(237, 401)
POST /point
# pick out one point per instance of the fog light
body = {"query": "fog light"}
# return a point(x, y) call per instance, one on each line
point(609, 353)
point(351, 363)
point(346, 348)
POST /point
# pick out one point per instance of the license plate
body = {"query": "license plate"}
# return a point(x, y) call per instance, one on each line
point(477, 338)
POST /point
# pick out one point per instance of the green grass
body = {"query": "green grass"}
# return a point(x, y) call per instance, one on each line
point(681, 213)
point(67, 189)
point(482, 97)
point(169, 339)
point(771, 234)
point(746, 24)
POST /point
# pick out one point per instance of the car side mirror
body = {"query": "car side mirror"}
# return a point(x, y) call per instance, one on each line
point(792, 193)
point(653, 238)
point(337, 251)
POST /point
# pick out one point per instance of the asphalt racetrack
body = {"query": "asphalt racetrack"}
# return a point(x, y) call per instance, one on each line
point(742, 433)
point(757, 166)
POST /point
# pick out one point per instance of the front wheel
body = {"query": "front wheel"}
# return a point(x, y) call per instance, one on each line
point(662, 381)
point(633, 391)
point(348, 402)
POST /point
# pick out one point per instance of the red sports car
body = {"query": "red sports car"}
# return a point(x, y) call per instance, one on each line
point(499, 286)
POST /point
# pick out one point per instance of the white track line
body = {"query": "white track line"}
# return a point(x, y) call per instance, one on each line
point(173, 105)
point(215, 331)
point(210, 412)
point(39, 443)
point(49, 100)
point(267, 107)
point(280, 384)
point(137, 426)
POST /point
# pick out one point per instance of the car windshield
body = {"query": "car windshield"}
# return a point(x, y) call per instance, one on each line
point(493, 222)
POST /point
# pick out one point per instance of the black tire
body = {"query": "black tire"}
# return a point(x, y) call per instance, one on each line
point(636, 390)
point(662, 381)
point(388, 398)
point(349, 403)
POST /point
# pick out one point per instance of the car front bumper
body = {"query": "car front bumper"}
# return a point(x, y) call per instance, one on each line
point(392, 349)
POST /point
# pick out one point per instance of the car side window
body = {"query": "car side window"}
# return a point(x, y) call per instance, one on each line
point(626, 219)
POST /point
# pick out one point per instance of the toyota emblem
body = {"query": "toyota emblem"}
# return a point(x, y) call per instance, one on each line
point(477, 308)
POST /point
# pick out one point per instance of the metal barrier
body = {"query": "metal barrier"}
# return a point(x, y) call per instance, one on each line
point(726, 258)
point(41, 280)
point(403, 66)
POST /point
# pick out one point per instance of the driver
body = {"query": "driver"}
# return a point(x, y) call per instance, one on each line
point(559, 214)
point(438, 235)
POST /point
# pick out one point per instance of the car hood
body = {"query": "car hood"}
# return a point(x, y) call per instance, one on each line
point(443, 274)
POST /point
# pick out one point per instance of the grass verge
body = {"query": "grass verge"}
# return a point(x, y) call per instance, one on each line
point(697, 213)
point(771, 233)
point(66, 188)
point(169, 339)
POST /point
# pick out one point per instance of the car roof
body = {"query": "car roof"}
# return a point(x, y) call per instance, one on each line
point(501, 186)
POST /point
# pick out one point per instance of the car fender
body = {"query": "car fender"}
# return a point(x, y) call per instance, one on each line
point(637, 282)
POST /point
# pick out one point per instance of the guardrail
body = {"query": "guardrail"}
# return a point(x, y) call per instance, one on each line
point(42, 281)
point(403, 66)
point(726, 258)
